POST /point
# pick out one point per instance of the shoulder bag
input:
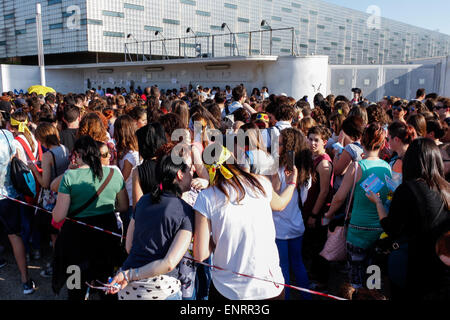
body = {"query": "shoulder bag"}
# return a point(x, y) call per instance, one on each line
point(335, 246)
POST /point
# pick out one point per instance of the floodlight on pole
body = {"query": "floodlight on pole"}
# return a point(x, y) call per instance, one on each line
point(163, 43)
point(231, 35)
point(137, 44)
point(264, 23)
point(198, 47)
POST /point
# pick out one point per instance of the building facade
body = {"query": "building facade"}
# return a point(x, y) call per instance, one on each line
point(104, 26)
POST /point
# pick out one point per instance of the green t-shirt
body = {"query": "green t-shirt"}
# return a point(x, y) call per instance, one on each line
point(80, 185)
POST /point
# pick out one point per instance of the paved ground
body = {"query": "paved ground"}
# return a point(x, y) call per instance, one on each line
point(10, 283)
point(11, 288)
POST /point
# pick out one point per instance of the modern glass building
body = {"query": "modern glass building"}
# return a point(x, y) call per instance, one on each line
point(74, 29)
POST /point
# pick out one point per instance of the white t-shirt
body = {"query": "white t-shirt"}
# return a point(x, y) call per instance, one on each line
point(244, 235)
point(133, 158)
point(273, 133)
point(21, 151)
point(263, 163)
point(289, 222)
point(229, 95)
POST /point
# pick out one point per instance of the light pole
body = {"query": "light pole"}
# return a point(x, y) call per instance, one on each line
point(137, 45)
point(163, 43)
point(264, 23)
point(40, 43)
point(234, 37)
point(198, 48)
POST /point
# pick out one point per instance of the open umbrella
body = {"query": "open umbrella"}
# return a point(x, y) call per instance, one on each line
point(40, 89)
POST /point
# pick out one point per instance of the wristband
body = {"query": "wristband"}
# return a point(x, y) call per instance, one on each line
point(292, 183)
point(125, 276)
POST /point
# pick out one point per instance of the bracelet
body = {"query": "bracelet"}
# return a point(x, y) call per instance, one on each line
point(125, 276)
point(292, 183)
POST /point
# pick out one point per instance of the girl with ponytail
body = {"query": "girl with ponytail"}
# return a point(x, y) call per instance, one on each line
point(91, 194)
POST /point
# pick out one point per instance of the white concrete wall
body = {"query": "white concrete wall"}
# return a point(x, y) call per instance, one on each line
point(297, 76)
point(65, 81)
point(176, 76)
point(17, 77)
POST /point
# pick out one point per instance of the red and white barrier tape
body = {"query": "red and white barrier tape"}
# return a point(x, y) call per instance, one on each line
point(267, 280)
point(69, 219)
point(196, 261)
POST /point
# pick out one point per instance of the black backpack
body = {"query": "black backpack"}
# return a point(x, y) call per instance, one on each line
point(21, 176)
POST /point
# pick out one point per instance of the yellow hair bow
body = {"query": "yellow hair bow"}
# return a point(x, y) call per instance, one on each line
point(212, 169)
point(22, 126)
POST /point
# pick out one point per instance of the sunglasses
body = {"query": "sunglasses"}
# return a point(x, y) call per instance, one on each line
point(105, 155)
point(439, 107)
point(412, 109)
point(397, 109)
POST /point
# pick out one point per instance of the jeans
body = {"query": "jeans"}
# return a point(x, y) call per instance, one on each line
point(203, 280)
point(358, 260)
point(290, 252)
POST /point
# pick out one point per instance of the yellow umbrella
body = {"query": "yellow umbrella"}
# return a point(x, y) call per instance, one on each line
point(40, 89)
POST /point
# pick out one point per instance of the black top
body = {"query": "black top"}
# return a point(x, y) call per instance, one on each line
point(147, 176)
point(156, 226)
point(418, 215)
point(68, 138)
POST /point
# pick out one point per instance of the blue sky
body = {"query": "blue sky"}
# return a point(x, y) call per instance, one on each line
point(429, 14)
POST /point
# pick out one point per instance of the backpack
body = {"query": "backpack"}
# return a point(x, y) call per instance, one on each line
point(29, 198)
point(21, 176)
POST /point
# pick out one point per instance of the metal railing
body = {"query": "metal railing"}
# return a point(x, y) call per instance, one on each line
point(214, 45)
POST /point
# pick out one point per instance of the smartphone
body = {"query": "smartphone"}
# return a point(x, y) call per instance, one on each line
point(290, 161)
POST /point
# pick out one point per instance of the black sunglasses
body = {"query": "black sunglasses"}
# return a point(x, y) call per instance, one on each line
point(105, 155)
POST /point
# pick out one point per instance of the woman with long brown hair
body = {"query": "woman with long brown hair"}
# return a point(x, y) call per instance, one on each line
point(236, 214)
point(418, 217)
point(294, 151)
point(153, 109)
point(127, 154)
point(54, 163)
point(181, 108)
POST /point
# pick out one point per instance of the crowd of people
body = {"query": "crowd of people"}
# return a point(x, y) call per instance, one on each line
point(257, 184)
